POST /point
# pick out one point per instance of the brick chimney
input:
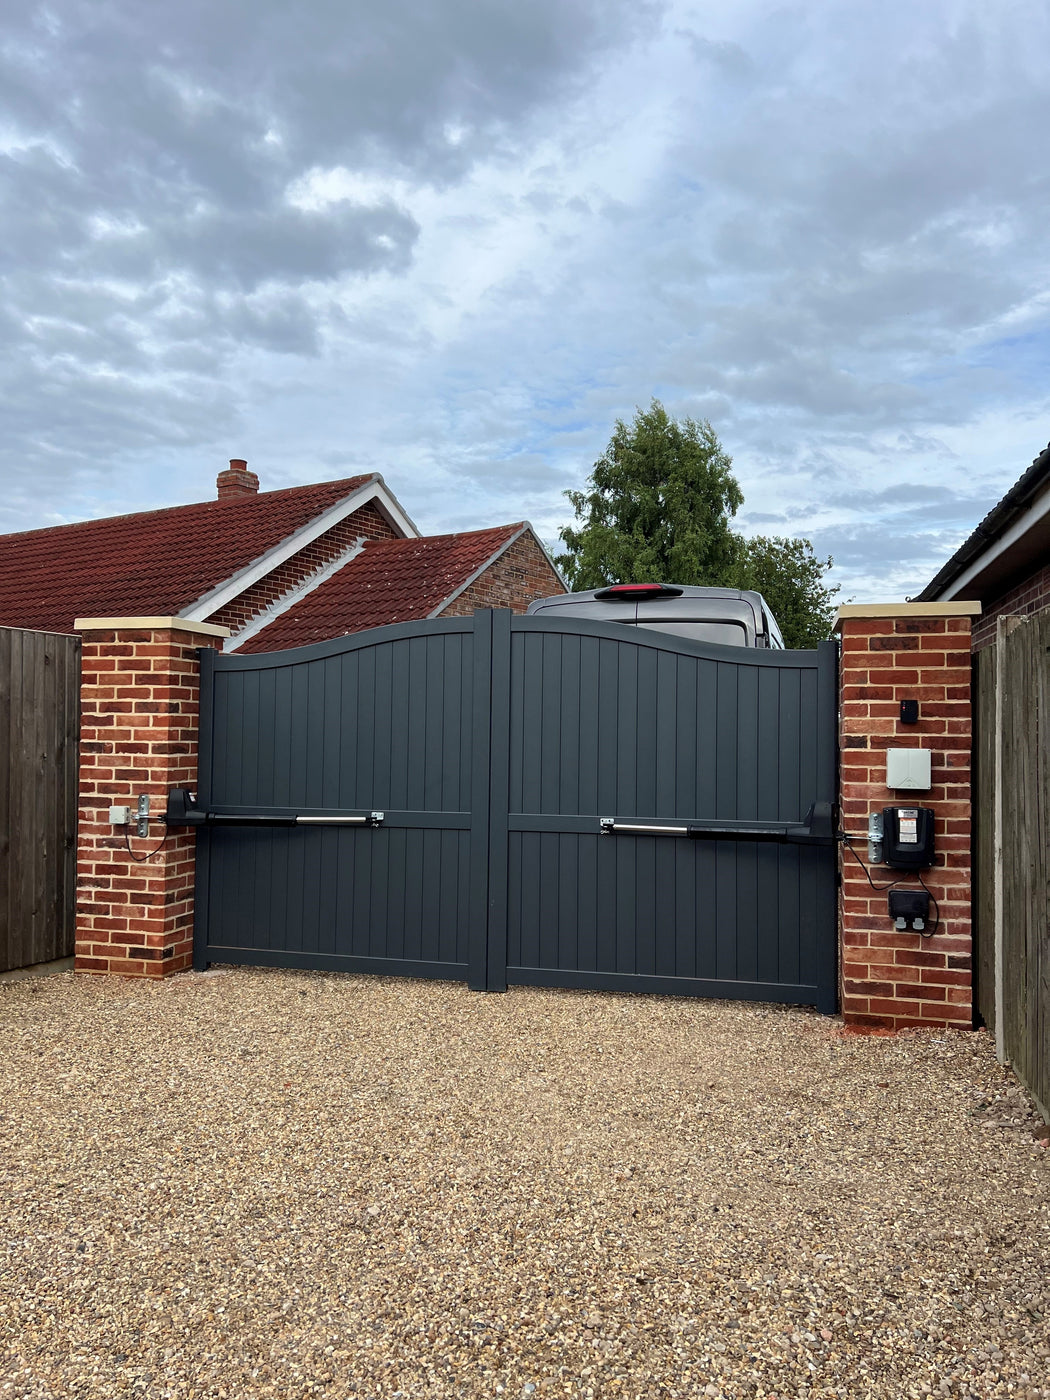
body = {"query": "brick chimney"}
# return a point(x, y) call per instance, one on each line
point(237, 480)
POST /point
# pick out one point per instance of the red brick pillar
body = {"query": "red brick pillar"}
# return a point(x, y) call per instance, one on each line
point(139, 702)
point(893, 652)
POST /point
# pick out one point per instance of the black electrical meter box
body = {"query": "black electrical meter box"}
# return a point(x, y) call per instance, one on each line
point(907, 834)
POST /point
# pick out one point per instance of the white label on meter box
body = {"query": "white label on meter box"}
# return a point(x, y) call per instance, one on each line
point(908, 825)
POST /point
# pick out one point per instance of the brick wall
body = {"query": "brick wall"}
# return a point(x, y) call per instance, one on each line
point(521, 573)
point(889, 978)
point(368, 521)
point(1029, 596)
point(139, 718)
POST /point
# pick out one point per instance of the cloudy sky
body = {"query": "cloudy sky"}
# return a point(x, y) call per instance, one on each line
point(453, 241)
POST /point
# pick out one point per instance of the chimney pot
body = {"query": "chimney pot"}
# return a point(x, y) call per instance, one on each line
point(236, 481)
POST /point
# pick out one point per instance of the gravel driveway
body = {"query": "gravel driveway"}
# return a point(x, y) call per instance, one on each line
point(254, 1183)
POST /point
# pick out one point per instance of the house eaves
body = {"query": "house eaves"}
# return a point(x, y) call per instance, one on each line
point(375, 490)
point(294, 596)
point(1012, 538)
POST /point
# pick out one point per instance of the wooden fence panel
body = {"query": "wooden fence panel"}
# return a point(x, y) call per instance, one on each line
point(1015, 740)
point(1017, 801)
point(1026, 904)
point(1039, 981)
point(39, 729)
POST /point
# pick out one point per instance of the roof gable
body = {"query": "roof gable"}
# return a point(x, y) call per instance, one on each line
point(166, 561)
point(374, 489)
point(389, 581)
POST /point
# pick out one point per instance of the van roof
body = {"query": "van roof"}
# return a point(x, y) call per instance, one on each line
point(684, 590)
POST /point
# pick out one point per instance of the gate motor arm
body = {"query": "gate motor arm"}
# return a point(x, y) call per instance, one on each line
point(182, 810)
point(817, 830)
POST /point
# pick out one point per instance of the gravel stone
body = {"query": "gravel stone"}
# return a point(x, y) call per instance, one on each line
point(257, 1183)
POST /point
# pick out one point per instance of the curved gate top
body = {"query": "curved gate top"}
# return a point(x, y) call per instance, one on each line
point(509, 799)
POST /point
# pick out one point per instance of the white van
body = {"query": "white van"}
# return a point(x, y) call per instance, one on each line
point(729, 616)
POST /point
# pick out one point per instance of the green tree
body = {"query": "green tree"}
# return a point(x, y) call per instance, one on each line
point(791, 579)
point(659, 508)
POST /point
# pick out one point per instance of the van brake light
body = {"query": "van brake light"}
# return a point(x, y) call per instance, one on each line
point(632, 592)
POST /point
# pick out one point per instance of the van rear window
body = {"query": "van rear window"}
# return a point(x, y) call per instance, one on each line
point(732, 634)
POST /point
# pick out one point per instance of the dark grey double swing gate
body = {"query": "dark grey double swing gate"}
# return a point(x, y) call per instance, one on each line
point(519, 800)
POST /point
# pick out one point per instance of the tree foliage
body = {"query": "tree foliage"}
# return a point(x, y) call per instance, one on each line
point(791, 579)
point(659, 508)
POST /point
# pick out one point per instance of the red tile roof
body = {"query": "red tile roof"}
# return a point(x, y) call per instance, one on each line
point(389, 581)
point(153, 564)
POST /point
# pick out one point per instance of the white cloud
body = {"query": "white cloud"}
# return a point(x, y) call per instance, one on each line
point(457, 247)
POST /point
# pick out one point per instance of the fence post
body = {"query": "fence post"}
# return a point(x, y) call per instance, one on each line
point(140, 709)
point(997, 847)
point(893, 652)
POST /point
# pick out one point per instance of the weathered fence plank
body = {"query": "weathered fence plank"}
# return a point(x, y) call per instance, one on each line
point(39, 728)
point(1040, 979)
point(1013, 738)
point(984, 835)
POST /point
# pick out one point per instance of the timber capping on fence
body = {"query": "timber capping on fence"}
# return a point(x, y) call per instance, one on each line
point(1013, 873)
point(39, 726)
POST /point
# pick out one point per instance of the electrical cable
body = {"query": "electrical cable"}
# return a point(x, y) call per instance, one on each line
point(936, 907)
point(139, 860)
point(847, 841)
